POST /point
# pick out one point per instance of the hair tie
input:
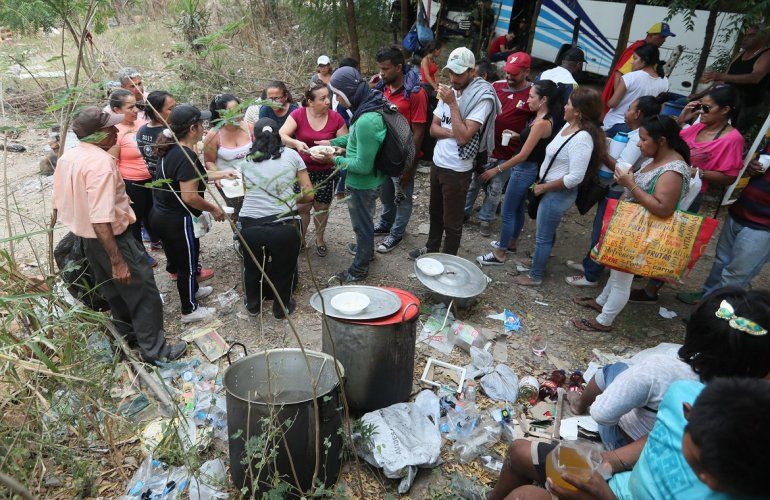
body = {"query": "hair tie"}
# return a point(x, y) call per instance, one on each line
point(727, 312)
point(167, 133)
point(267, 128)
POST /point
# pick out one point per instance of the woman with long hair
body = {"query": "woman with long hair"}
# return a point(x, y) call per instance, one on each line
point(131, 164)
point(644, 79)
point(178, 206)
point(268, 221)
point(658, 186)
point(574, 153)
point(545, 100)
point(313, 122)
point(228, 143)
point(429, 68)
point(157, 109)
point(283, 104)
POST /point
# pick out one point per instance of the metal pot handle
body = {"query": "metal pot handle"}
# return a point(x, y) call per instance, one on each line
point(403, 315)
point(245, 353)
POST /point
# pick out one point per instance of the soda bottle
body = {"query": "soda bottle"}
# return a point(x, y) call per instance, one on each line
point(528, 390)
point(556, 380)
point(576, 382)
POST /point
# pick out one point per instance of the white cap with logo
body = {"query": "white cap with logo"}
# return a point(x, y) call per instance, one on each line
point(460, 60)
point(324, 60)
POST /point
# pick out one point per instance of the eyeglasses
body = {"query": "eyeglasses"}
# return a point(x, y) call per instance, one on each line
point(278, 99)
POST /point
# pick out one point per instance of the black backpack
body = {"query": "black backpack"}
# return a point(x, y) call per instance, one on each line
point(397, 150)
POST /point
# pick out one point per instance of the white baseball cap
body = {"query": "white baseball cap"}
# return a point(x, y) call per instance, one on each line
point(324, 60)
point(460, 60)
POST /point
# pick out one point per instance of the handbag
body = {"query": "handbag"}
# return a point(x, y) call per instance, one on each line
point(534, 201)
point(635, 241)
point(590, 192)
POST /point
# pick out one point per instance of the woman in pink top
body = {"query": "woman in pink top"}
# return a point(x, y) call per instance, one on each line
point(304, 127)
point(716, 154)
point(131, 164)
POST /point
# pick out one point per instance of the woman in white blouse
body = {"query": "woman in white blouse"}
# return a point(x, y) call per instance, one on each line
point(573, 154)
point(644, 79)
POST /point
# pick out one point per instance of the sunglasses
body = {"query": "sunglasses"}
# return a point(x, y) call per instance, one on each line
point(703, 108)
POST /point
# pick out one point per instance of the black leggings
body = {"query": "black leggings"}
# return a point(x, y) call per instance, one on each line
point(182, 249)
point(141, 202)
point(276, 247)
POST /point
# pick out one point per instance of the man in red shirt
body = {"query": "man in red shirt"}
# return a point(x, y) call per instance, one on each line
point(513, 93)
point(401, 86)
point(656, 35)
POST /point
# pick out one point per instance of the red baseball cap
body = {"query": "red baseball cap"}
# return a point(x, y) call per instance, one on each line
point(516, 62)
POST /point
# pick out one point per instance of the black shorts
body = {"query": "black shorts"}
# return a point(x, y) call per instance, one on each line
point(540, 451)
point(324, 182)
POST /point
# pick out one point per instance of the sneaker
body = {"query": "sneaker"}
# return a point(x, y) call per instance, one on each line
point(489, 260)
point(579, 280)
point(203, 275)
point(388, 244)
point(278, 312)
point(353, 248)
point(156, 246)
point(417, 253)
point(484, 228)
point(381, 230)
point(345, 277)
point(496, 244)
point(203, 292)
point(254, 311)
point(640, 296)
point(575, 266)
point(175, 351)
point(151, 260)
point(691, 298)
point(199, 314)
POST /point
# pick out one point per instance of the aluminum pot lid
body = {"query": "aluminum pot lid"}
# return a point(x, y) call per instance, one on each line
point(461, 278)
point(382, 302)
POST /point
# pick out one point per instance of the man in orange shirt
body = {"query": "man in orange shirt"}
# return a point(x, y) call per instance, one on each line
point(656, 35)
point(90, 197)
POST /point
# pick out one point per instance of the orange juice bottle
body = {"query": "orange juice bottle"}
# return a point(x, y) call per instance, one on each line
point(566, 459)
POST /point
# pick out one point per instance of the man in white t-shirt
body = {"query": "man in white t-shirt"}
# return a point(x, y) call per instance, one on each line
point(463, 125)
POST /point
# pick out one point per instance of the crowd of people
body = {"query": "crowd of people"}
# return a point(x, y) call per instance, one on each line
point(528, 143)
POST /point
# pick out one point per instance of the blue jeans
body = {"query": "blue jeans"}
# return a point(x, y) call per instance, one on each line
point(343, 173)
point(396, 217)
point(741, 253)
point(493, 191)
point(522, 177)
point(361, 206)
point(549, 213)
point(591, 268)
point(612, 437)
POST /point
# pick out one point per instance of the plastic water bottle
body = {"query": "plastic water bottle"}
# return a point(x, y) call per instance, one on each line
point(469, 394)
point(618, 144)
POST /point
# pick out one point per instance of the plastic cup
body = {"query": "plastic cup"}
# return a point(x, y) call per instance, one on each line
point(764, 161)
point(622, 167)
point(229, 210)
point(506, 139)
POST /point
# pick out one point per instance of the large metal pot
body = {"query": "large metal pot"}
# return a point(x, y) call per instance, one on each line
point(378, 355)
point(266, 391)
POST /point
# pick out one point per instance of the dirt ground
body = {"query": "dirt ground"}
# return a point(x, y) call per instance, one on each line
point(547, 309)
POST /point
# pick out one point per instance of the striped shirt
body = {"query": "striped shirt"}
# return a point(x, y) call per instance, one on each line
point(752, 208)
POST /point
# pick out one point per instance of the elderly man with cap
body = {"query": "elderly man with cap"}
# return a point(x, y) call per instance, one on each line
point(656, 35)
point(513, 93)
point(90, 198)
point(464, 126)
point(363, 181)
point(571, 64)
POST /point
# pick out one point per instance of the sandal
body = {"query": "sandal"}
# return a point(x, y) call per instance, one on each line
point(590, 325)
point(525, 280)
point(588, 302)
point(321, 250)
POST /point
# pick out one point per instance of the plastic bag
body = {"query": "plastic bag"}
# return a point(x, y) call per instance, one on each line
point(156, 480)
point(482, 363)
point(502, 384)
point(76, 272)
point(406, 436)
point(484, 435)
point(209, 477)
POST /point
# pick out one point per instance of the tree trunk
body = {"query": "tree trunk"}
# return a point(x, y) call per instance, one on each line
point(704, 54)
point(628, 16)
point(533, 25)
point(355, 51)
point(405, 17)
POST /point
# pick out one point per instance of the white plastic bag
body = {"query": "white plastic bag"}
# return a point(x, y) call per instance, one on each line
point(157, 480)
point(210, 477)
point(406, 436)
point(502, 384)
point(482, 363)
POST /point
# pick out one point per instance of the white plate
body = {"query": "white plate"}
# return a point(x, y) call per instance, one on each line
point(320, 150)
point(350, 302)
point(430, 266)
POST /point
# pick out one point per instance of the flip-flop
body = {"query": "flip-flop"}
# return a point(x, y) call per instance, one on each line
point(321, 250)
point(587, 326)
point(586, 302)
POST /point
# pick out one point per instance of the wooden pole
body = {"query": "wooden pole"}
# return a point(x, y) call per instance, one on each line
point(706, 48)
point(625, 28)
